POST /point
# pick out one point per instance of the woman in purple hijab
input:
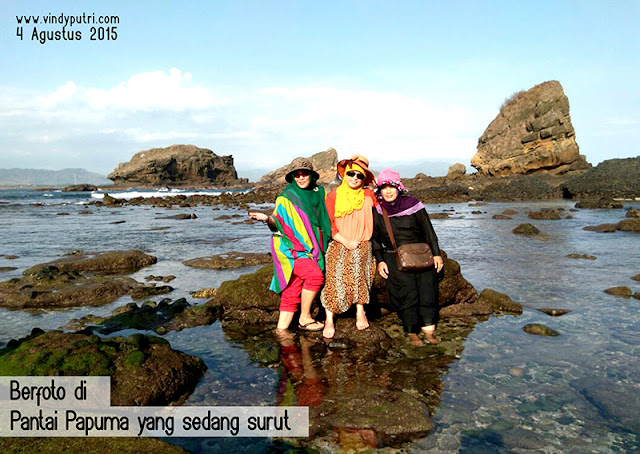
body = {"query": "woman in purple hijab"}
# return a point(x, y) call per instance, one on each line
point(413, 294)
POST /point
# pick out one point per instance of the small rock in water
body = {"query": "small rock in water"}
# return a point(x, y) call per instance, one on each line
point(510, 211)
point(501, 217)
point(338, 345)
point(499, 302)
point(598, 203)
point(516, 371)
point(629, 225)
point(545, 213)
point(539, 329)
point(581, 256)
point(636, 277)
point(64, 213)
point(633, 213)
point(526, 229)
point(602, 228)
point(117, 222)
point(619, 291)
point(11, 257)
point(636, 295)
point(554, 312)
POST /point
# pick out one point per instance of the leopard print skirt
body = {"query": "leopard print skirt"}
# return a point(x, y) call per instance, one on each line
point(349, 275)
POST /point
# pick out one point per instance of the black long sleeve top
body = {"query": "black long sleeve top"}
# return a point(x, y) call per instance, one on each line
point(412, 228)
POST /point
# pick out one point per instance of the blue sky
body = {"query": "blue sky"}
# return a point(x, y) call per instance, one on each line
point(400, 82)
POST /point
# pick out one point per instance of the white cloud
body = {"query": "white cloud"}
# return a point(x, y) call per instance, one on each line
point(62, 94)
point(269, 126)
point(380, 125)
point(153, 90)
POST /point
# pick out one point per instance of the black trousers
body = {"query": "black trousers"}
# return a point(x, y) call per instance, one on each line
point(413, 294)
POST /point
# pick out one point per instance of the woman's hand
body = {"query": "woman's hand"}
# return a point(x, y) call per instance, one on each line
point(438, 262)
point(256, 215)
point(383, 269)
point(351, 244)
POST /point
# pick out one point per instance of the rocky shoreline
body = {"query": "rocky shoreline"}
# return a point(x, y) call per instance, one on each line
point(385, 401)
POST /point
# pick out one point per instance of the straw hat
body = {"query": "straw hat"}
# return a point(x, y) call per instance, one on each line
point(362, 162)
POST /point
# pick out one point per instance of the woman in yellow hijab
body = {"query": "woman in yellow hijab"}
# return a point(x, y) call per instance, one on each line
point(350, 268)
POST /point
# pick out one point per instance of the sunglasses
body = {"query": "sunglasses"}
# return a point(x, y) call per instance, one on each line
point(358, 175)
point(301, 173)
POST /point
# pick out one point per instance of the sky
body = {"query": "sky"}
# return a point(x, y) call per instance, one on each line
point(403, 83)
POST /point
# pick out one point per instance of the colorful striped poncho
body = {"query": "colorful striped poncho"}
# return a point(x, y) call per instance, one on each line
point(297, 237)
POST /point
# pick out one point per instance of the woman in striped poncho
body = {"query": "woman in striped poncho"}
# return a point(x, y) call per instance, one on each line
point(301, 229)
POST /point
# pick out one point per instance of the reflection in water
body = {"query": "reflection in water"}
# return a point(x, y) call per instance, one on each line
point(299, 384)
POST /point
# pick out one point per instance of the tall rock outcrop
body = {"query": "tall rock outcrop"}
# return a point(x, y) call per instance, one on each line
point(531, 134)
point(324, 163)
point(177, 165)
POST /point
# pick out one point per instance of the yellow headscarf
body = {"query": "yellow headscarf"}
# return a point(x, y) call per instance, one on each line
point(348, 199)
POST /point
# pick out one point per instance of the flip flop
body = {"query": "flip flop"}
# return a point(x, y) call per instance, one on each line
point(305, 327)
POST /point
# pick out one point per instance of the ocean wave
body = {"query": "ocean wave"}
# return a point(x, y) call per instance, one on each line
point(162, 192)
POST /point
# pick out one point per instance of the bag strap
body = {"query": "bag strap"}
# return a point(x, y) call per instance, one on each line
point(387, 223)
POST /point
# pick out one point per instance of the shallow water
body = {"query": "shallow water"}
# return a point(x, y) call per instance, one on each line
point(509, 392)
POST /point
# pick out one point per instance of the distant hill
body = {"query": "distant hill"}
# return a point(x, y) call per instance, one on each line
point(40, 177)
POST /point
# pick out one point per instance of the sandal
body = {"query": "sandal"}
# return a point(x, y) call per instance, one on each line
point(307, 326)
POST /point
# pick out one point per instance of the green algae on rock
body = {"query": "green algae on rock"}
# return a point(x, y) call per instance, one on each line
point(229, 260)
point(619, 291)
point(526, 229)
point(144, 370)
point(539, 329)
point(499, 302)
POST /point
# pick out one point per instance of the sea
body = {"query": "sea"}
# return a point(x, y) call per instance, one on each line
point(509, 391)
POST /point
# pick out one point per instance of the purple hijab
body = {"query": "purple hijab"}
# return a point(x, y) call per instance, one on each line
point(403, 205)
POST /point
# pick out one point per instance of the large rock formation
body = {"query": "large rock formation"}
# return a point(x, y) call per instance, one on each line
point(324, 163)
point(531, 134)
point(177, 165)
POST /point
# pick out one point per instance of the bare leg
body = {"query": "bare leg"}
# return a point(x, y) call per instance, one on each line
point(329, 327)
point(361, 318)
point(307, 297)
point(430, 334)
point(284, 320)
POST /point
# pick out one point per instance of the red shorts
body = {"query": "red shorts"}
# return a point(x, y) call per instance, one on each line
point(306, 275)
